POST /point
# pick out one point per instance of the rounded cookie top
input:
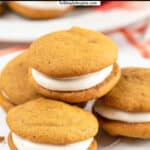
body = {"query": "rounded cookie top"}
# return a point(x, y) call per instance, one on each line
point(132, 93)
point(52, 122)
point(72, 52)
point(14, 81)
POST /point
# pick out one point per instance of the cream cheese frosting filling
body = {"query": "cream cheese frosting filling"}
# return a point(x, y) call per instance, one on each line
point(43, 5)
point(23, 144)
point(72, 83)
point(119, 115)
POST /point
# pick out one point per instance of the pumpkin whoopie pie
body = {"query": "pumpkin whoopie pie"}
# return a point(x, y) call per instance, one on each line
point(49, 124)
point(75, 65)
point(39, 9)
point(125, 110)
point(14, 85)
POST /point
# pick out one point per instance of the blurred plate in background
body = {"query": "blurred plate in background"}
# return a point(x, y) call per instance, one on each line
point(17, 29)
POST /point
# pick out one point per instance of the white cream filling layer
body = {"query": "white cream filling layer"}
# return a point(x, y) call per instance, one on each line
point(23, 144)
point(116, 114)
point(73, 83)
point(43, 5)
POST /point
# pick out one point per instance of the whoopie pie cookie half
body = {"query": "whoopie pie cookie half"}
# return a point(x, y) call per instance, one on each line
point(39, 9)
point(75, 65)
point(14, 86)
point(125, 110)
point(48, 124)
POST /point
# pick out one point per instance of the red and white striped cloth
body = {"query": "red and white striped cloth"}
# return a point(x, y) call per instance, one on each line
point(137, 35)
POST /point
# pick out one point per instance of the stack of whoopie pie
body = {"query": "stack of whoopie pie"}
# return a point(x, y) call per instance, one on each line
point(73, 66)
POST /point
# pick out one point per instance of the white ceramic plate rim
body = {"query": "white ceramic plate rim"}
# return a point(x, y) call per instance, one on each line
point(17, 29)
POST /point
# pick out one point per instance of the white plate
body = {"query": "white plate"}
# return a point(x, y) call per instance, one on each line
point(17, 29)
point(105, 142)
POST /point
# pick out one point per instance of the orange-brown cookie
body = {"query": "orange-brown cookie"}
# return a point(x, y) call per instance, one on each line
point(125, 110)
point(39, 10)
point(132, 93)
point(118, 128)
point(72, 53)
point(14, 83)
point(42, 121)
point(84, 60)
